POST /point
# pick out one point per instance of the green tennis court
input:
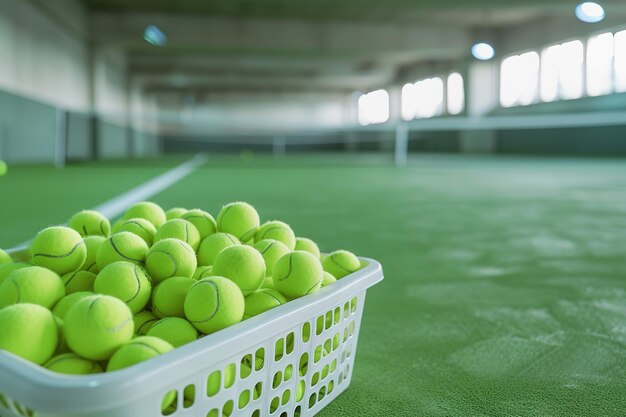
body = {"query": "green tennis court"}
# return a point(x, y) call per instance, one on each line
point(504, 290)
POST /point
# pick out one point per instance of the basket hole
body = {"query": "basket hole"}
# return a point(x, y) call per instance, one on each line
point(284, 414)
point(227, 410)
point(229, 375)
point(288, 372)
point(259, 359)
point(351, 328)
point(297, 412)
point(286, 397)
point(315, 379)
point(274, 404)
point(327, 347)
point(279, 349)
point(329, 319)
point(333, 366)
point(319, 325)
point(331, 387)
point(304, 364)
point(290, 339)
point(312, 400)
point(337, 315)
point(169, 403)
point(306, 332)
point(258, 390)
point(345, 335)
point(322, 393)
point(300, 391)
point(256, 413)
point(278, 379)
point(318, 354)
point(213, 383)
point(343, 357)
point(346, 310)
point(189, 395)
point(353, 305)
point(244, 399)
point(246, 367)
point(213, 413)
point(325, 371)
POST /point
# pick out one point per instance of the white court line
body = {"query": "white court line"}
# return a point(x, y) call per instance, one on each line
point(119, 204)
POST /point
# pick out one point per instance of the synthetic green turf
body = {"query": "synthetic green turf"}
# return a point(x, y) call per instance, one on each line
point(505, 279)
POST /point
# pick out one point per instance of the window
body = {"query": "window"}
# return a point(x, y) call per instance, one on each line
point(600, 64)
point(408, 102)
point(562, 71)
point(619, 42)
point(429, 97)
point(456, 93)
point(373, 107)
point(519, 79)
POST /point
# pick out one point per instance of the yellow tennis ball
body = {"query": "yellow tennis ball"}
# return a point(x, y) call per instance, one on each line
point(214, 244)
point(168, 298)
point(297, 274)
point(179, 229)
point(328, 279)
point(261, 301)
point(141, 227)
point(175, 213)
point(7, 269)
point(271, 250)
point(97, 326)
point(243, 265)
point(268, 282)
point(90, 223)
point(147, 210)
point(203, 272)
point(63, 306)
point(5, 258)
point(3, 168)
point(126, 281)
point(277, 230)
point(122, 246)
point(92, 244)
point(170, 257)
point(302, 243)
point(28, 331)
point(59, 249)
point(204, 222)
point(214, 304)
point(341, 263)
point(144, 320)
point(34, 285)
point(239, 219)
point(73, 364)
point(78, 281)
point(174, 330)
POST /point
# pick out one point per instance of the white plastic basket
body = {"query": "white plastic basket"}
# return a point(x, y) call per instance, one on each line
point(326, 322)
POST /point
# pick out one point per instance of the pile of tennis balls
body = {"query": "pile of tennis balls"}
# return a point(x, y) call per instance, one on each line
point(97, 298)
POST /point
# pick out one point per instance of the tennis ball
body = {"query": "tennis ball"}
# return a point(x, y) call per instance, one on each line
point(72, 364)
point(144, 320)
point(174, 330)
point(204, 222)
point(28, 331)
point(168, 298)
point(125, 281)
point(95, 327)
point(261, 301)
point(214, 244)
point(78, 281)
point(297, 274)
point(268, 282)
point(5, 258)
point(146, 210)
point(34, 285)
point(271, 250)
point(170, 257)
point(302, 243)
point(179, 229)
point(277, 230)
point(7, 269)
point(3, 168)
point(59, 249)
point(138, 350)
point(92, 244)
point(203, 272)
point(141, 227)
point(122, 246)
point(175, 213)
point(63, 306)
point(230, 374)
point(328, 279)
point(90, 223)
point(341, 263)
point(213, 304)
point(243, 265)
point(239, 219)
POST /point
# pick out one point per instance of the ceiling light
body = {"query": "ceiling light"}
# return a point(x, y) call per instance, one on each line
point(483, 51)
point(154, 35)
point(590, 12)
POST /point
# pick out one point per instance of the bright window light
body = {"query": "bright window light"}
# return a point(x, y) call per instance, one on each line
point(456, 93)
point(429, 97)
point(373, 107)
point(483, 51)
point(589, 12)
point(561, 73)
point(600, 64)
point(519, 79)
point(408, 101)
point(619, 42)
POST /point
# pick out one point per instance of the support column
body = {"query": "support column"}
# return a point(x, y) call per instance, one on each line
point(401, 144)
point(60, 138)
point(279, 146)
